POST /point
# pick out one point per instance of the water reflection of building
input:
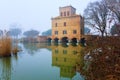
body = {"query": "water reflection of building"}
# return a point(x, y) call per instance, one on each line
point(66, 59)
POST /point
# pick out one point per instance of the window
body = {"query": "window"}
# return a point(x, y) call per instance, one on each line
point(56, 50)
point(68, 13)
point(64, 13)
point(55, 24)
point(56, 32)
point(64, 23)
point(74, 31)
point(64, 51)
point(61, 14)
point(64, 32)
point(56, 59)
point(65, 59)
point(81, 31)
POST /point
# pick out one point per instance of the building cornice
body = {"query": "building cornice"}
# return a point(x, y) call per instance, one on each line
point(60, 17)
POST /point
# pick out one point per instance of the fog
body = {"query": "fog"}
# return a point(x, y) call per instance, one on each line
point(34, 14)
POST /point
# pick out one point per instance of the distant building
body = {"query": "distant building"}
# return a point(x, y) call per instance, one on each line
point(37, 39)
point(28, 40)
point(68, 26)
point(42, 39)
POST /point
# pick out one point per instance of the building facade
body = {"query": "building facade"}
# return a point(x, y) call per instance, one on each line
point(68, 26)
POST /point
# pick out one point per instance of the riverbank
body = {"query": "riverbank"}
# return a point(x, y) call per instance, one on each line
point(105, 59)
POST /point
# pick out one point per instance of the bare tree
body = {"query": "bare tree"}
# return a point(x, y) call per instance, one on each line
point(114, 7)
point(15, 32)
point(96, 16)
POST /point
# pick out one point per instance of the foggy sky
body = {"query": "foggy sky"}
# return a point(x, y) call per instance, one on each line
point(34, 14)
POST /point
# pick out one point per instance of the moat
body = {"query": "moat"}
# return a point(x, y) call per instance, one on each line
point(40, 61)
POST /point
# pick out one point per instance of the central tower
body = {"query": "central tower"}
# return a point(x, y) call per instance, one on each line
point(67, 11)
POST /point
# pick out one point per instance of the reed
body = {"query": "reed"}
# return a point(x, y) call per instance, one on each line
point(5, 46)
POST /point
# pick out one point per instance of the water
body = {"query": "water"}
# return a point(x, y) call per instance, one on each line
point(42, 62)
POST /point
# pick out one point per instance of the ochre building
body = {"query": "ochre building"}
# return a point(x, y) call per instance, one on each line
point(68, 26)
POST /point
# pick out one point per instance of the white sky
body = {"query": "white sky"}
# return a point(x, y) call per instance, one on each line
point(35, 14)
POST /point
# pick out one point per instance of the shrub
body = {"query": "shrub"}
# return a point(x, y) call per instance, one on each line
point(105, 64)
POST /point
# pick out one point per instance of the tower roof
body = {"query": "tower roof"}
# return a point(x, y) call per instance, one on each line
point(67, 7)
